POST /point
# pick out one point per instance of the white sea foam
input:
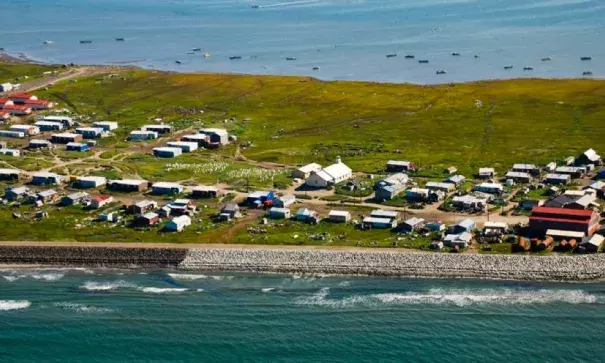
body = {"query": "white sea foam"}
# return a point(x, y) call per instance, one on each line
point(106, 285)
point(267, 289)
point(36, 275)
point(456, 297)
point(10, 278)
point(199, 290)
point(81, 308)
point(14, 304)
point(161, 290)
point(188, 277)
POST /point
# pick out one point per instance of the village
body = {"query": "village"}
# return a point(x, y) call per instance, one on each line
point(553, 207)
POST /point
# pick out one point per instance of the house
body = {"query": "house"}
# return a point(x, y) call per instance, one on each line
point(597, 186)
point(519, 177)
point(177, 224)
point(164, 212)
point(557, 179)
point(339, 216)
point(9, 174)
point(529, 204)
point(106, 125)
point(144, 206)
point(588, 157)
point(307, 215)
point(573, 201)
point(109, 217)
point(167, 152)
point(381, 213)
point(201, 139)
point(37, 105)
point(545, 218)
point(74, 198)
point(378, 223)
point(181, 207)
point(29, 130)
point(10, 152)
point(330, 175)
point(593, 244)
point(457, 180)
point(142, 135)
point(586, 201)
point(90, 181)
point(101, 201)
point(21, 98)
point(284, 201)
point(526, 168)
point(232, 210)
point(489, 188)
point(305, 171)
point(395, 166)
point(279, 213)
point(216, 137)
point(390, 187)
point(160, 129)
point(65, 138)
point(260, 199)
point(469, 202)
point(394, 179)
point(15, 193)
point(166, 188)
point(45, 178)
point(185, 146)
point(451, 170)
point(559, 235)
point(495, 228)
point(147, 219)
point(90, 132)
point(76, 146)
point(436, 226)
point(202, 191)
point(12, 134)
point(424, 195)
point(39, 144)
point(412, 225)
point(461, 240)
point(65, 120)
point(128, 185)
point(47, 196)
point(444, 187)
point(575, 172)
point(465, 225)
point(17, 110)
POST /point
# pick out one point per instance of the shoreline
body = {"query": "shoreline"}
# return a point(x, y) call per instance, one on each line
point(310, 260)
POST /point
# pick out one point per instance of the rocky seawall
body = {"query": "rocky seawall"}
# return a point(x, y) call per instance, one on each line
point(439, 265)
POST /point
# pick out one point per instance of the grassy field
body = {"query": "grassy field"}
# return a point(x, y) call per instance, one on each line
point(296, 120)
point(13, 73)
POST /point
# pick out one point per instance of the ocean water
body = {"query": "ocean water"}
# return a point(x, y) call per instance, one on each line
point(82, 315)
point(347, 39)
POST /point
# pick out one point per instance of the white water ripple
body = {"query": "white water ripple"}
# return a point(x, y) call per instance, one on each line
point(6, 305)
point(81, 308)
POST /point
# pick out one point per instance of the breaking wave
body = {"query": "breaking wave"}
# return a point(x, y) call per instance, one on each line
point(49, 276)
point(267, 289)
point(81, 308)
point(14, 304)
point(463, 297)
point(188, 277)
point(106, 286)
point(161, 290)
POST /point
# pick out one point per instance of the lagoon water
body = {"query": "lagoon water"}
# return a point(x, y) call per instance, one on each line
point(347, 39)
point(82, 315)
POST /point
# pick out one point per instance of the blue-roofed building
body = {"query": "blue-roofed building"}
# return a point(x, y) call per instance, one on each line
point(465, 225)
point(258, 199)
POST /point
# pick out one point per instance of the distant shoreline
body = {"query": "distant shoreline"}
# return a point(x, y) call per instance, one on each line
point(306, 260)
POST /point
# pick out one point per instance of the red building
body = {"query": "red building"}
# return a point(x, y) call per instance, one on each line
point(39, 104)
point(17, 110)
point(22, 98)
point(545, 218)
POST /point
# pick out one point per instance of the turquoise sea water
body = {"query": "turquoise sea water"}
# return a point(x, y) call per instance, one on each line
point(87, 315)
point(347, 39)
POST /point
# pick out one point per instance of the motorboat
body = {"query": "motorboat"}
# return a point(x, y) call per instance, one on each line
point(392, 55)
point(178, 62)
point(508, 67)
point(316, 68)
point(585, 58)
point(48, 42)
point(290, 58)
point(441, 71)
point(455, 54)
point(476, 56)
point(234, 57)
point(546, 59)
point(587, 73)
point(120, 39)
point(196, 49)
point(423, 61)
point(528, 69)
point(85, 41)
point(409, 56)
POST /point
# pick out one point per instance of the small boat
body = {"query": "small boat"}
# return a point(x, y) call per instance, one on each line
point(1, 49)
point(409, 56)
point(441, 71)
point(190, 53)
point(48, 42)
point(206, 55)
point(234, 57)
point(585, 58)
point(423, 61)
point(85, 41)
point(290, 58)
point(508, 67)
point(178, 62)
point(476, 56)
point(120, 39)
point(255, 6)
point(546, 59)
point(392, 55)
point(587, 73)
point(455, 54)
point(316, 68)
point(528, 69)
point(196, 49)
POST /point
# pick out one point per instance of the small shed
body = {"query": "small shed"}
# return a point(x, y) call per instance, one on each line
point(232, 210)
point(177, 224)
point(412, 225)
point(76, 146)
point(147, 219)
point(305, 171)
point(339, 216)
point(202, 191)
point(462, 240)
point(279, 213)
point(284, 201)
point(90, 181)
point(74, 198)
point(166, 188)
point(167, 152)
point(465, 225)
